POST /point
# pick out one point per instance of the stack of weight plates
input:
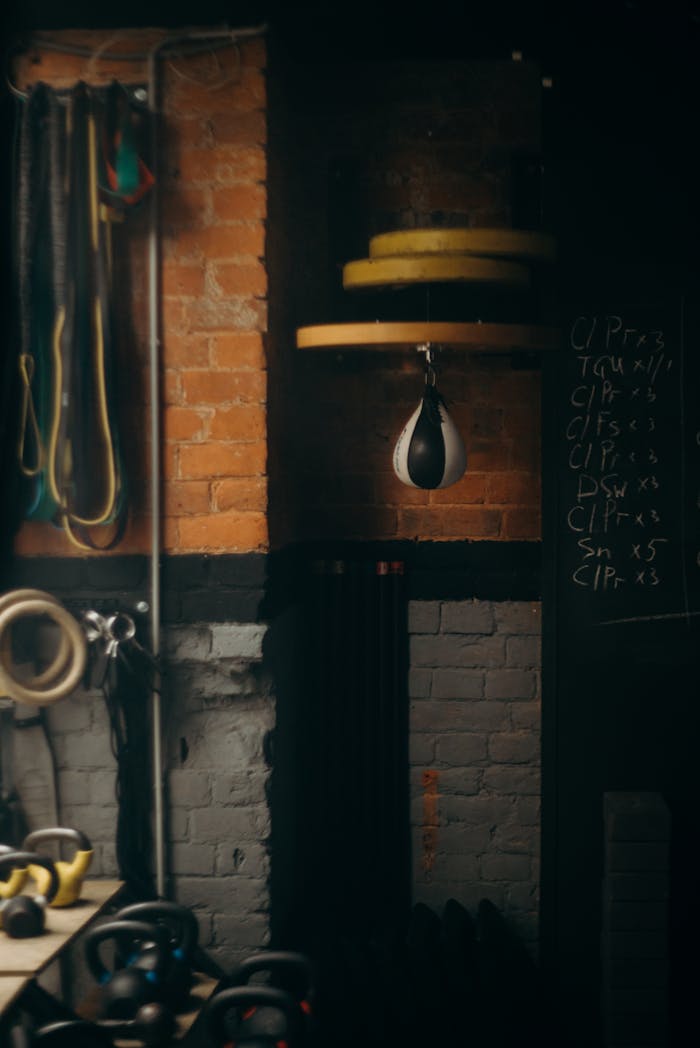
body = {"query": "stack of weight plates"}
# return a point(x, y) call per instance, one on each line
point(473, 256)
point(473, 283)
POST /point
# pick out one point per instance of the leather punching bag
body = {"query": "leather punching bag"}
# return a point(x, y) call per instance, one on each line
point(430, 452)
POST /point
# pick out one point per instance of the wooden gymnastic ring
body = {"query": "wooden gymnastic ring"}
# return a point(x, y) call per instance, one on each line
point(57, 690)
point(62, 656)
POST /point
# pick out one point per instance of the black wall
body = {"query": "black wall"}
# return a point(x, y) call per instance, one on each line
point(620, 658)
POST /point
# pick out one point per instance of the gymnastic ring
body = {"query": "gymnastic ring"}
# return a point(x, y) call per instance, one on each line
point(63, 618)
point(62, 656)
point(57, 689)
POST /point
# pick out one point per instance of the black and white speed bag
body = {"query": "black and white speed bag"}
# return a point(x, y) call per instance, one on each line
point(430, 453)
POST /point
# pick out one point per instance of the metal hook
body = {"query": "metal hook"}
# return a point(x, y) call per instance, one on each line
point(95, 625)
point(121, 627)
point(431, 367)
point(431, 351)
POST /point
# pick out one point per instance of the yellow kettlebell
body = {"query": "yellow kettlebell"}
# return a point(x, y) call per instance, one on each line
point(17, 879)
point(70, 874)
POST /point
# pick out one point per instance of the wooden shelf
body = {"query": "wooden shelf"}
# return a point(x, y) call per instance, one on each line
point(29, 957)
point(11, 987)
point(503, 338)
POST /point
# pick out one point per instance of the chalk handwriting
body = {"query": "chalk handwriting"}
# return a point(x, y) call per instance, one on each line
point(618, 490)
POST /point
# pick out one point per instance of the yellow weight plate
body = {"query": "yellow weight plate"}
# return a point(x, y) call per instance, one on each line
point(382, 336)
point(499, 243)
point(427, 269)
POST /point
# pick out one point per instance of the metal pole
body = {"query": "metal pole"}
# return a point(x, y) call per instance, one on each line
point(230, 35)
point(155, 468)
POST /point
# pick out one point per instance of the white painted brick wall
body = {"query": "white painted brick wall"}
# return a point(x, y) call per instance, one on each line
point(474, 687)
point(217, 708)
point(220, 710)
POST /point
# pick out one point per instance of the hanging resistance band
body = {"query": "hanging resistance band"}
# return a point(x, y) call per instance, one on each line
point(35, 299)
point(78, 171)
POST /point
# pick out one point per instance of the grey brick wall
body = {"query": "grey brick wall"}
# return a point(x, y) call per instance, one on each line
point(475, 720)
point(217, 707)
point(474, 690)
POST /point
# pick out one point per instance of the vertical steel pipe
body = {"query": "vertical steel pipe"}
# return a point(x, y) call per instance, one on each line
point(214, 36)
point(155, 466)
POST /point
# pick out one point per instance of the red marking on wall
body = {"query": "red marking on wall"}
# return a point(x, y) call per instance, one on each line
point(430, 819)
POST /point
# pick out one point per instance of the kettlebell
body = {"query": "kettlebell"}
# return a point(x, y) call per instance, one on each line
point(183, 931)
point(70, 874)
point(24, 917)
point(289, 971)
point(126, 989)
point(263, 998)
point(17, 879)
point(153, 1025)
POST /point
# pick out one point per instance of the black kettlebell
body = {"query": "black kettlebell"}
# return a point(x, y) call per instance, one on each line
point(262, 998)
point(288, 971)
point(183, 931)
point(153, 1025)
point(23, 916)
point(124, 990)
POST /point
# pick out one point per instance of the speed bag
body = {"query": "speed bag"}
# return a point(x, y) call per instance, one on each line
point(430, 453)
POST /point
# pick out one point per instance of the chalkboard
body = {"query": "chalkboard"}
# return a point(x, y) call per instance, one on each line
point(630, 465)
point(621, 612)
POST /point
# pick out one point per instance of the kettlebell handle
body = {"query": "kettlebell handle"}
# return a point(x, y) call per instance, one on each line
point(79, 1030)
point(139, 931)
point(180, 922)
point(21, 859)
point(241, 997)
point(57, 833)
point(17, 879)
point(268, 961)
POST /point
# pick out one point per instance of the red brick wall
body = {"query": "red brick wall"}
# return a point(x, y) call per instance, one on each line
point(250, 463)
point(214, 296)
point(347, 485)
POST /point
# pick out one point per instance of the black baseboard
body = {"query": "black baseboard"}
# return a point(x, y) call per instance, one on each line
point(434, 570)
point(248, 587)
